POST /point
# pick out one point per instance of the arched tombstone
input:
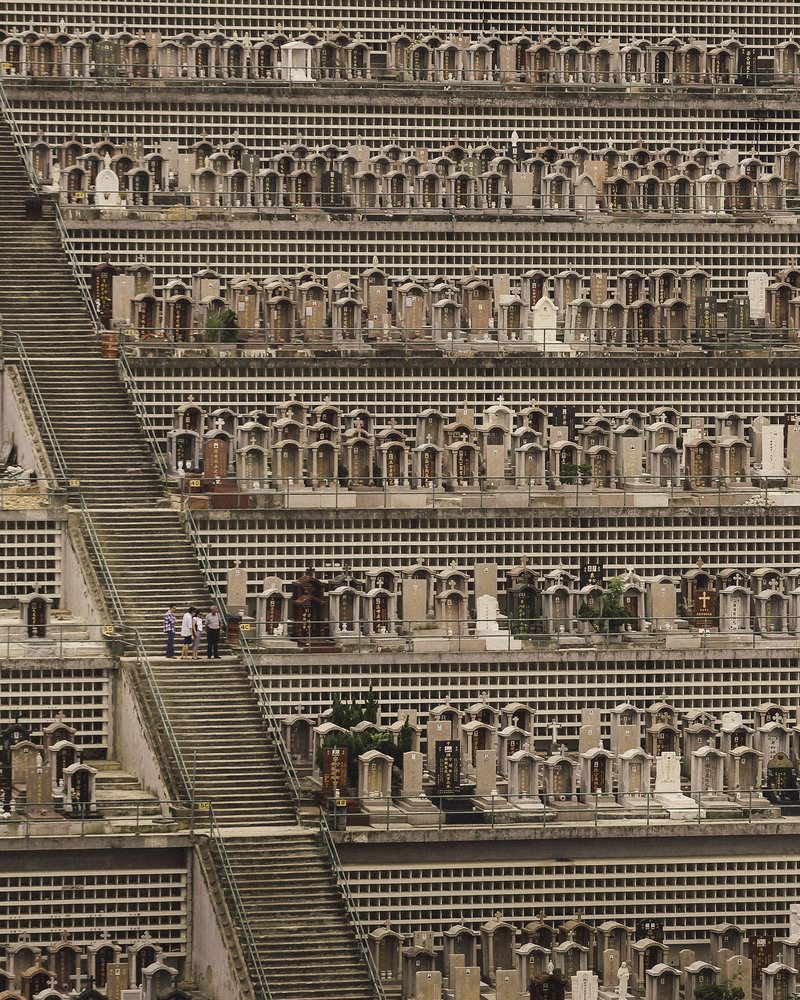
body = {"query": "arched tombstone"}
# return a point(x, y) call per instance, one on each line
point(546, 987)
point(99, 955)
point(79, 790)
point(9, 738)
point(497, 946)
point(62, 755)
point(662, 982)
point(141, 954)
point(298, 733)
point(158, 978)
point(462, 941)
point(57, 731)
point(34, 615)
point(65, 961)
point(386, 947)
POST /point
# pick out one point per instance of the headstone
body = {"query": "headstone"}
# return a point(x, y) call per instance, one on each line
point(116, 979)
point(412, 774)
point(611, 961)
point(598, 288)
point(585, 985)
point(592, 573)
point(415, 603)
point(448, 767)
point(485, 580)
point(486, 611)
point(722, 956)
point(236, 593)
point(663, 604)
point(757, 426)
point(465, 982)
point(650, 927)
point(334, 770)
point(668, 775)
point(627, 739)
point(685, 957)
point(485, 772)
point(506, 984)
point(589, 737)
point(794, 919)
point(705, 309)
point(428, 986)
point(591, 717)
point(738, 315)
point(772, 451)
point(739, 970)
point(106, 188)
point(215, 461)
point(793, 449)
point(760, 953)
point(757, 282)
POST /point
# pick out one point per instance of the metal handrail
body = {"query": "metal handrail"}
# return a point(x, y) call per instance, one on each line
point(27, 368)
point(69, 250)
point(241, 913)
point(352, 912)
point(35, 184)
point(205, 563)
point(161, 712)
point(144, 416)
point(97, 551)
point(260, 691)
point(19, 141)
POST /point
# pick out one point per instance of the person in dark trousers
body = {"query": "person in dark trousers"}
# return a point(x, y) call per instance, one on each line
point(187, 632)
point(213, 623)
point(169, 630)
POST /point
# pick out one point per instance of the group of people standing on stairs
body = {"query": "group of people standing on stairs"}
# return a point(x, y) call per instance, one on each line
point(192, 627)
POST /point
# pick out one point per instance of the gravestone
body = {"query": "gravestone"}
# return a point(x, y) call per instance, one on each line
point(334, 770)
point(415, 603)
point(756, 429)
point(772, 464)
point(663, 604)
point(447, 779)
point(412, 774)
point(794, 919)
point(585, 985)
point(757, 282)
point(611, 963)
point(760, 949)
point(428, 986)
point(705, 310)
point(215, 462)
point(106, 188)
point(793, 449)
point(485, 772)
point(740, 970)
point(505, 984)
point(465, 981)
point(589, 737)
point(685, 957)
point(485, 580)
point(738, 315)
point(592, 573)
point(650, 927)
point(236, 593)
point(591, 717)
point(116, 979)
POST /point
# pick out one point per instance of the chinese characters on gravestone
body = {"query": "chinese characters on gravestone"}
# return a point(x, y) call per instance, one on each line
point(334, 770)
point(759, 951)
point(448, 767)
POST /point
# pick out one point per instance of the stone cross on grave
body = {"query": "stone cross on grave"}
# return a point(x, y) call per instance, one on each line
point(358, 424)
point(736, 579)
point(219, 423)
point(563, 749)
point(428, 439)
point(464, 436)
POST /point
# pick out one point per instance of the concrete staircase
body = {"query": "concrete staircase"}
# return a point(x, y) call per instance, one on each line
point(288, 888)
point(298, 917)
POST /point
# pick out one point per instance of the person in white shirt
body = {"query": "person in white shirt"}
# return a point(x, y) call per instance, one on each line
point(197, 632)
point(187, 632)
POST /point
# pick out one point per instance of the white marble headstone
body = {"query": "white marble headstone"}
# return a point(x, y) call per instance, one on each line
point(668, 773)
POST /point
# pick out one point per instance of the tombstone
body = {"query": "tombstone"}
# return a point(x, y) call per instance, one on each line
point(724, 936)
point(428, 986)
point(571, 957)
point(559, 780)
point(589, 737)
point(497, 946)
point(34, 615)
point(334, 771)
point(412, 774)
point(745, 775)
point(506, 984)
point(739, 969)
point(374, 775)
point(415, 961)
point(106, 187)
point(647, 953)
point(309, 608)
point(116, 979)
point(757, 282)
point(663, 608)
point(215, 462)
point(781, 785)
point(386, 945)
point(667, 789)
point(585, 985)
point(772, 461)
point(466, 983)
point(447, 779)
point(546, 987)
point(662, 983)
point(597, 777)
point(236, 590)
point(760, 952)
point(460, 941)
point(101, 955)
point(698, 974)
point(625, 728)
point(610, 966)
point(777, 981)
point(485, 581)
point(486, 773)
point(79, 790)
point(634, 778)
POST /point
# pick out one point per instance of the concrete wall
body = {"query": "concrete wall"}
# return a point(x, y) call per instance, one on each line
point(211, 960)
point(129, 743)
